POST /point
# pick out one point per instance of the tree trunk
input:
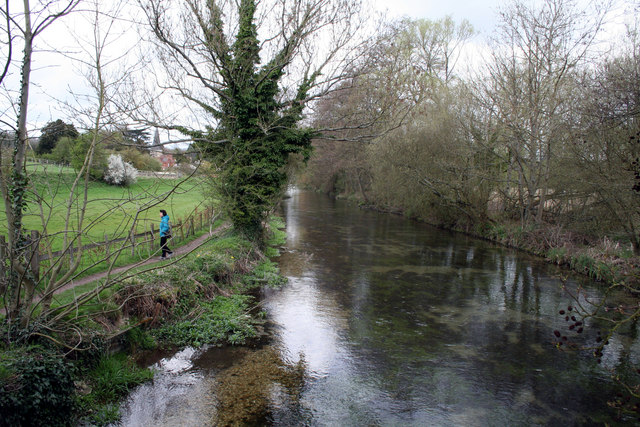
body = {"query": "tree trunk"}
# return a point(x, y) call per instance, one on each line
point(14, 197)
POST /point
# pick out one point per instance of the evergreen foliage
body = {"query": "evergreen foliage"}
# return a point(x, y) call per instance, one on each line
point(138, 137)
point(52, 132)
point(37, 389)
point(256, 133)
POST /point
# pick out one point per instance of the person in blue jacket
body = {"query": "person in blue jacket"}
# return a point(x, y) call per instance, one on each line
point(165, 234)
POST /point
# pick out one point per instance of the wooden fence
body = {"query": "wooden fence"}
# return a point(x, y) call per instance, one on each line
point(181, 230)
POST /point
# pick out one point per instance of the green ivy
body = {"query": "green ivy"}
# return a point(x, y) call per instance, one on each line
point(257, 131)
point(37, 388)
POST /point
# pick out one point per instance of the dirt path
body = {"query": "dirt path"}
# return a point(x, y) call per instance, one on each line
point(177, 251)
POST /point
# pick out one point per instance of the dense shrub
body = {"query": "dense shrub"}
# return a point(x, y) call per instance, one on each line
point(36, 389)
point(79, 155)
point(140, 160)
point(62, 152)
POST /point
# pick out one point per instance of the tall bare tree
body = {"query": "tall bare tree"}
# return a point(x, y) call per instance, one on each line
point(26, 25)
point(536, 55)
point(28, 291)
point(408, 68)
point(604, 155)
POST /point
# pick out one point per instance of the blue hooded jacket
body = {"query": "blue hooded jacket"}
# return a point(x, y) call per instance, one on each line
point(164, 226)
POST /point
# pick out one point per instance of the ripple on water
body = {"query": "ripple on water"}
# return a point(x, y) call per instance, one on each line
point(178, 395)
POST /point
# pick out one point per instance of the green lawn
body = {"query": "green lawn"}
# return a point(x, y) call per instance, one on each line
point(110, 210)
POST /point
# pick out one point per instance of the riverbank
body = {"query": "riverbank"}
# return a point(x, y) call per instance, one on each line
point(206, 298)
point(602, 259)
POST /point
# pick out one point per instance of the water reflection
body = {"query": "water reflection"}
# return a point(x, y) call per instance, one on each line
point(403, 324)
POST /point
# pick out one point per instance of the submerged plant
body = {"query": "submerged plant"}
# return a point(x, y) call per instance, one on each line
point(244, 391)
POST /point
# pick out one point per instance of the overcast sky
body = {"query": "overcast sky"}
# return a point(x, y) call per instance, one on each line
point(54, 80)
point(481, 13)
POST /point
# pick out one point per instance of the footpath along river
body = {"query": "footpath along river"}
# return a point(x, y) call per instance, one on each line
point(398, 323)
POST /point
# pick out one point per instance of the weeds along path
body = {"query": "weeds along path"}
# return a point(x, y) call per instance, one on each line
point(177, 251)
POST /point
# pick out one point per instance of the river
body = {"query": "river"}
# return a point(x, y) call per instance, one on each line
point(399, 323)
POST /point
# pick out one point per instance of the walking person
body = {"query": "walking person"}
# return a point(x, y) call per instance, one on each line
point(165, 234)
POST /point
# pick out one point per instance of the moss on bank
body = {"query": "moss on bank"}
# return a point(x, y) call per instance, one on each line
point(206, 298)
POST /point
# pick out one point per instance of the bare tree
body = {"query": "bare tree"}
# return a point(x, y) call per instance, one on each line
point(604, 156)
point(28, 25)
point(28, 293)
point(403, 87)
point(535, 59)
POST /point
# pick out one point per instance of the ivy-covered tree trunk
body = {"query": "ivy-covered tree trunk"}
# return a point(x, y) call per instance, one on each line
point(254, 91)
point(258, 133)
point(19, 284)
point(20, 277)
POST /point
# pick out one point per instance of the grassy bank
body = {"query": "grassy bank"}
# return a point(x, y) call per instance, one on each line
point(110, 209)
point(206, 298)
point(109, 215)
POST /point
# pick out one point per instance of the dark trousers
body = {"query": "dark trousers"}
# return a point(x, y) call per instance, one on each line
point(163, 245)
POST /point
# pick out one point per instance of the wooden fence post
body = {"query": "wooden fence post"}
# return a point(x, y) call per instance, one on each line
point(35, 254)
point(193, 231)
point(3, 254)
point(181, 230)
point(152, 238)
point(107, 245)
point(133, 241)
point(200, 226)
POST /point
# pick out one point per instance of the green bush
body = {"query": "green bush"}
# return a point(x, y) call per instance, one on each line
point(557, 255)
point(139, 160)
point(37, 389)
point(498, 232)
point(265, 273)
point(224, 319)
point(79, 154)
point(583, 263)
point(139, 339)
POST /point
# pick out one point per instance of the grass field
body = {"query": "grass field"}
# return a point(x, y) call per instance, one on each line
point(110, 210)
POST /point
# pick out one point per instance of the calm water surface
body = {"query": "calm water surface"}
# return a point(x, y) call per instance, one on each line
point(403, 324)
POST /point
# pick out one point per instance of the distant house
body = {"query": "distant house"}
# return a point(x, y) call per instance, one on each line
point(166, 159)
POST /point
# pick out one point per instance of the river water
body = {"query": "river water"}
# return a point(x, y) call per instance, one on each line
point(398, 323)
